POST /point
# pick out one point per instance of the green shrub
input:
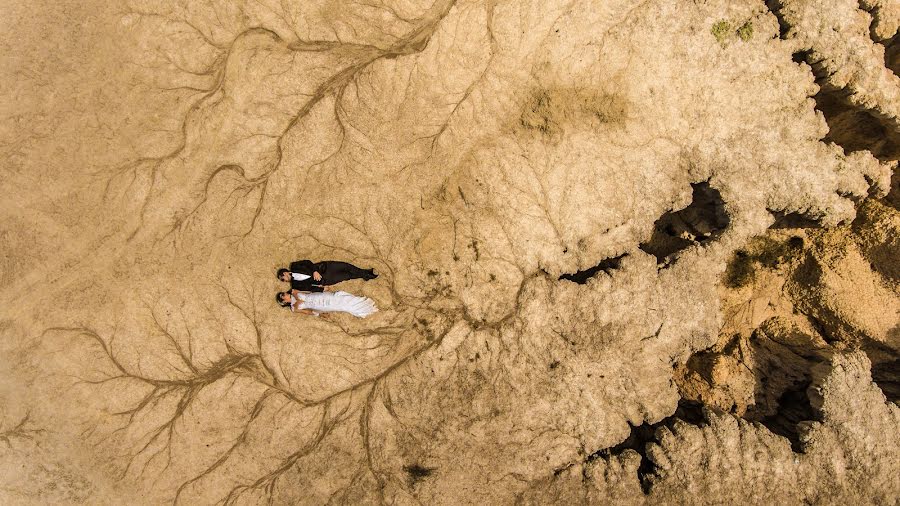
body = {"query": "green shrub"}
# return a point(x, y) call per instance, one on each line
point(745, 32)
point(721, 30)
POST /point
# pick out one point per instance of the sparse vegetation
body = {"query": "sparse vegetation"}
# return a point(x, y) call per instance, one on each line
point(721, 30)
point(741, 270)
point(745, 32)
point(766, 253)
point(417, 473)
point(772, 254)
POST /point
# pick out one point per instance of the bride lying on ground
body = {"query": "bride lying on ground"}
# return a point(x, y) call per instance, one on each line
point(326, 302)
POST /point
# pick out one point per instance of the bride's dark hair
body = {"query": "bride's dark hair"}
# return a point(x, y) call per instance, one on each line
point(281, 302)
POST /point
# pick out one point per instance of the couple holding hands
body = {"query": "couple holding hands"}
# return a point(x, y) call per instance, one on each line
point(311, 285)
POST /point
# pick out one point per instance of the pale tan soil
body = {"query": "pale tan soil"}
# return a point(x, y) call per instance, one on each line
point(162, 159)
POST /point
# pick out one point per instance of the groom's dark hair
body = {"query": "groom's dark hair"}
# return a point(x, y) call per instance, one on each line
point(280, 272)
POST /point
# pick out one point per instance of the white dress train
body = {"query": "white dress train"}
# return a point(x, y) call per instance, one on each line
point(333, 302)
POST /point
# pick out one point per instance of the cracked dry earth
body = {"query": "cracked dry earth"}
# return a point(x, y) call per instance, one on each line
point(630, 251)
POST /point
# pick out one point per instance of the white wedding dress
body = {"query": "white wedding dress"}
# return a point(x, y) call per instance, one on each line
point(332, 302)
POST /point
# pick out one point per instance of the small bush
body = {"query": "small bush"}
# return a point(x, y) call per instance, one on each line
point(771, 254)
point(745, 32)
point(741, 270)
point(767, 253)
point(417, 473)
point(721, 30)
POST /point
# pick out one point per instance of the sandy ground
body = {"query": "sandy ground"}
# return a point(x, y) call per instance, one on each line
point(629, 251)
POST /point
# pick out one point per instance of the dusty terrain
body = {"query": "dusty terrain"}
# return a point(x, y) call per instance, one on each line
point(631, 251)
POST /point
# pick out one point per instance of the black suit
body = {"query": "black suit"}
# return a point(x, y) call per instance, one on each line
point(332, 272)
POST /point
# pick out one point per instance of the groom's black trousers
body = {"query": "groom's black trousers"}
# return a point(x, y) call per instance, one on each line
point(332, 272)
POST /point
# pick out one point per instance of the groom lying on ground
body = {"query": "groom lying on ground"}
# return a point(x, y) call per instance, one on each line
point(307, 276)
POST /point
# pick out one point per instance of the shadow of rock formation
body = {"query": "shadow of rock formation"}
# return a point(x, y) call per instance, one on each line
point(701, 221)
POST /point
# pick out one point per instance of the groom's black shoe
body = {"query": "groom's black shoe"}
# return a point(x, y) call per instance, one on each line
point(372, 274)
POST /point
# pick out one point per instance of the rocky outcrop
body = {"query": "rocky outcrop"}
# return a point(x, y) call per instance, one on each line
point(837, 36)
point(847, 454)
